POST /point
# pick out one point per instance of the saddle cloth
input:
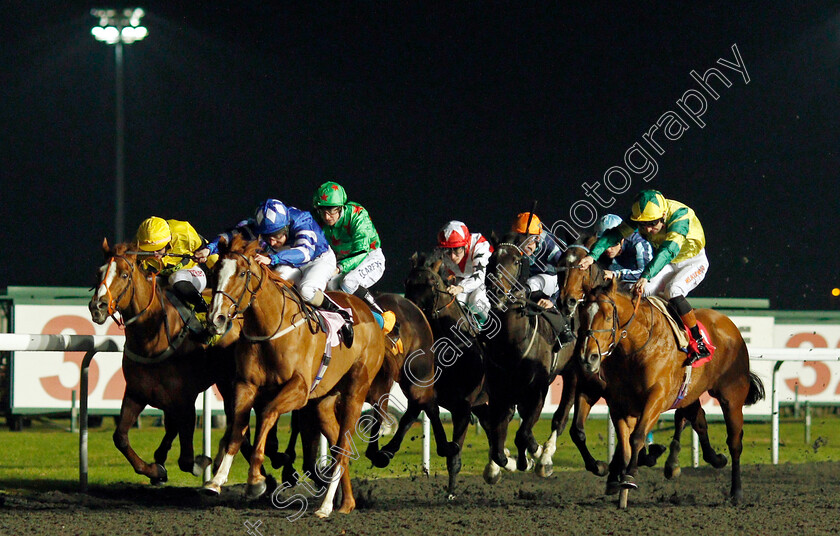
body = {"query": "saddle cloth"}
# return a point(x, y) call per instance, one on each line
point(333, 322)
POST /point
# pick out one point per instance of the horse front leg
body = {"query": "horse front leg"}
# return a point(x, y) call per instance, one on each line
point(583, 405)
point(130, 410)
point(733, 415)
point(498, 421)
point(672, 464)
point(245, 395)
point(545, 464)
point(382, 457)
point(187, 461)
point(525, 442)
point(621, 457)
point(293, 395)
point(170, 433)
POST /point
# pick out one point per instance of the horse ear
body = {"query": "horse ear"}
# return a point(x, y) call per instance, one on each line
point(494, 239)
point(105, 247)
point(589, 241)
point(224, 247)
point(413, 260)
point(251, 248)
point(436, 265)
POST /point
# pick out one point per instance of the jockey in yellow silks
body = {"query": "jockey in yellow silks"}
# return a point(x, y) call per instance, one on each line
point(679, 263)
point(173, 243)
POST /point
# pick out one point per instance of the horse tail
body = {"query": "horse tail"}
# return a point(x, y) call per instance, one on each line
point(756, 392)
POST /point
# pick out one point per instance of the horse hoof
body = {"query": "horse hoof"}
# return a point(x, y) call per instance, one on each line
point(736, 497)
point(655, 450)
point(278, 460)
point(161, 475)
point(448, 450)
point(256, 490)
point(200, 464)
point(544, 471)
point(672, 472)
point(323, 512)
point(628, 482)
point(381, 458)
point(599, 469)
point(719, 461)
point(491, 474)
point(450, 497)
point(211, 489)
point(612, 488)
point(290, 476)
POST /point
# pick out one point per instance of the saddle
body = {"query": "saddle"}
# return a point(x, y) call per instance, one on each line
point(561, 326)
point(685, 341)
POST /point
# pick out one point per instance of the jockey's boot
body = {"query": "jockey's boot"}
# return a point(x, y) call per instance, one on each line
point(187, 292)
point(328, 305)
point(698, 349)
point(391, 327)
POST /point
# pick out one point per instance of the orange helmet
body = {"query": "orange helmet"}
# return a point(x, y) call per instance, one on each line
point(454, 235)
point(521, 222)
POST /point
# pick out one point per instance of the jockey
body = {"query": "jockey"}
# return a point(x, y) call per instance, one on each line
point(294, 247)
point(544, 254)
point(626, 259)
point(679, 263)
point(465, 256)
point(172, 243)
point(350, 232)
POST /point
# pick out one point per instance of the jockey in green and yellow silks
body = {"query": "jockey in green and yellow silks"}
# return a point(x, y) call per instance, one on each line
point(679, 263)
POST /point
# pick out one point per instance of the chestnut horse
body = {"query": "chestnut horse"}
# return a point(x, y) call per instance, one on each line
point(459, 357)
point(162, 365)
point(412, 364)
point(524, 357)
point(636, 354)
point(280, 360)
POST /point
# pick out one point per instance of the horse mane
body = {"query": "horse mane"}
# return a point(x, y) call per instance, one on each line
point(249, 248)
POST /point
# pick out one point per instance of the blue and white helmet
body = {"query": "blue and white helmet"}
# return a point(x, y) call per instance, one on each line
point(271, 217)
point(607, 222)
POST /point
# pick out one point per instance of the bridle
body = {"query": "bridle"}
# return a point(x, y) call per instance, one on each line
point(234, 310)
point(509, 295)
point(617, 333)
point(114, 303)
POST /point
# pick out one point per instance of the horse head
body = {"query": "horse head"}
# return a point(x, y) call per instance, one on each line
point(424, 284)
point(508, 270)
point(601, 327)
point(578, 283)
point(121, 284)
point(238, 279)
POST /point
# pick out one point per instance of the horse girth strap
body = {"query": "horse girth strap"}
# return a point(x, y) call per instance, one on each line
point(277, 334)
point(174, 343)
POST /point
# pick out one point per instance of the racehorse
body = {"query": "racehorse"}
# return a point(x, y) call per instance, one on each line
point(459, 378)
point(163, 366)
point(524, 357)
point(411, 363)
point(281, 364)
point(635, 352)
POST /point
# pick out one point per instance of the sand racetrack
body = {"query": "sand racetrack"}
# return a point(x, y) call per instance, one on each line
point(786, 499)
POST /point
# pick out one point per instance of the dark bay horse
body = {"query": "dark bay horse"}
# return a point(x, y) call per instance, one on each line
point(459, 377)
point(280, 366)
point(524, 357)
point(162, 365)
point(635, 352)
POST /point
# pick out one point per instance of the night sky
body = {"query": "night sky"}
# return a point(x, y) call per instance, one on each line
point(470, 111)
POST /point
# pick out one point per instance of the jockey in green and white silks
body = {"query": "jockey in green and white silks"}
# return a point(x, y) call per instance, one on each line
point(353, 237)
point(679, 263)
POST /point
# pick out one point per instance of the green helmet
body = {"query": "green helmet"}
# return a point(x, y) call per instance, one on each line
point(330, 194)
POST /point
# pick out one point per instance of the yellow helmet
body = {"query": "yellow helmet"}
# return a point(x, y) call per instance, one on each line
point(649, 205)
point(534, 227)
point(153, 234)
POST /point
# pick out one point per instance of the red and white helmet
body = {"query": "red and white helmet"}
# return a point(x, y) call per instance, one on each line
point(454, 235)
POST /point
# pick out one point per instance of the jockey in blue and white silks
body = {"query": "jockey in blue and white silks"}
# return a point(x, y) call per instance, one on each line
point(627, 258)
point(293, 245)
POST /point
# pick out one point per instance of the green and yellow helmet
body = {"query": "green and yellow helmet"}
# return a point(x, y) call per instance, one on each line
point(649, 205)
point(330, 194)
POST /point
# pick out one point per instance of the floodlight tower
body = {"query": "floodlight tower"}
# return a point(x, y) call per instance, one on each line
point(118, 28)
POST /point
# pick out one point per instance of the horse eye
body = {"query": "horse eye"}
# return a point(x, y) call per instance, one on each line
point(124, 275)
